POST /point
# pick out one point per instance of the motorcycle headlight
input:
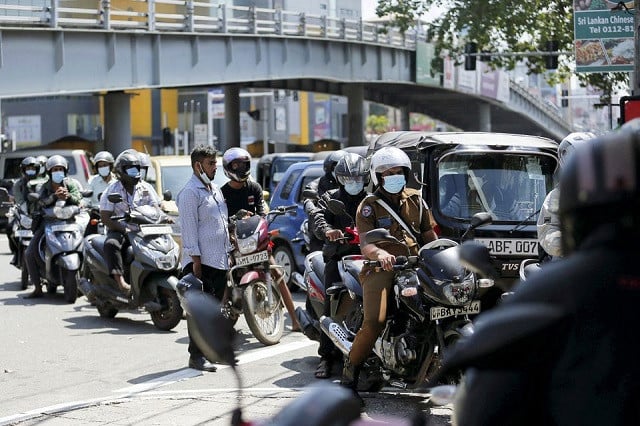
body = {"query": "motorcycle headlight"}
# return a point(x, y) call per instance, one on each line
point(460, 293)
point(25, 221)
point(247, 245)
point(64, 213)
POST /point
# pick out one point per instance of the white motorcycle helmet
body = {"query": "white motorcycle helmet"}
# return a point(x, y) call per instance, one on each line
point(569, 143)
point(387, 158)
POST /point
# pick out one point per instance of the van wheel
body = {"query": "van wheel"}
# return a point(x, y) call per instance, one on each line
point(284, 258)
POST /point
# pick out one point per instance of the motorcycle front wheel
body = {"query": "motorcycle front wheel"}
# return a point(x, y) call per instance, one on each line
point(69, 281)
point(266, 322)
point(24, 273)
point(171, 313)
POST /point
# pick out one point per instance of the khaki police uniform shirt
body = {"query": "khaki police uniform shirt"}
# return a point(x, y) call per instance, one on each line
point(372, 215)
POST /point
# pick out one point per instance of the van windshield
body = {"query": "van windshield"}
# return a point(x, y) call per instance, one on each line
point(510, 186)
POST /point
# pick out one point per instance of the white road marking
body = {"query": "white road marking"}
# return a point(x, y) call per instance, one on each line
point(142, 389)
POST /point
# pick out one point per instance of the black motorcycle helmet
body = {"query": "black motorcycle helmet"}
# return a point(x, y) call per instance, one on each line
point(127, 160)
point(599, 187)
point(332, 159)
point(29, 163)
point(351, 167)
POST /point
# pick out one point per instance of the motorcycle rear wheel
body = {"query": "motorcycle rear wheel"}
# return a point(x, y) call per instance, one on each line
point(266, 323)
point(106, 311)
point(170, 314)
point(70, 285)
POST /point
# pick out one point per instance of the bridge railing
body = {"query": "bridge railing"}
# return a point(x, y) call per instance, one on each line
point(197, 17)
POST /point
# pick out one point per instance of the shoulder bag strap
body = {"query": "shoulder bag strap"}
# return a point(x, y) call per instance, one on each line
point(397, 218)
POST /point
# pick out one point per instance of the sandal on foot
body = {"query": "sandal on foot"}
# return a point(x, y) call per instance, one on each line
point(324, 369)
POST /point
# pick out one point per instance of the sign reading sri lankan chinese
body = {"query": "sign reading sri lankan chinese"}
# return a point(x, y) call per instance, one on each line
point(603, 38)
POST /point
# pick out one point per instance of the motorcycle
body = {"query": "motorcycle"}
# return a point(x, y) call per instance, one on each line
point(21, 233)
point(313, 281)
point(60, 249)
point(433, 299)
point(322, 404)
point(251, 289)
point(151, 266)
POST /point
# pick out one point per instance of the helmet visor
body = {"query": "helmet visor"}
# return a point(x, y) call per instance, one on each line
point(345, 180)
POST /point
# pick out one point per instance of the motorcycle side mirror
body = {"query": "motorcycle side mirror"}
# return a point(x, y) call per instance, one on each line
point(475, 257)
point(378, 235)
point(210, 329)
point(480, 219)
point(86, 193)
point(114, 198)
point(310, 194)
point(166, 195)
point(336, 207)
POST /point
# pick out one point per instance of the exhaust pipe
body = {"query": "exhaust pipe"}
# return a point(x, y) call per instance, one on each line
point(336, 333)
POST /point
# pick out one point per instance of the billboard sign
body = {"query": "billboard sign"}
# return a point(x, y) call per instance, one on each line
point(603, 38)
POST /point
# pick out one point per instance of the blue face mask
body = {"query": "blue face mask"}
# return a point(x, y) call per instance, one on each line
point(354, 188)
point(133, 172)
point(394, 183)
point(30, 172)
point(57, 176)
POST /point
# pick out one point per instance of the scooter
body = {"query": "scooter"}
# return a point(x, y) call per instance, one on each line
point(252, 292)
point(430, 310)
point(60, 249)
point(313, 281)
point(151, 265)
point(21, 234)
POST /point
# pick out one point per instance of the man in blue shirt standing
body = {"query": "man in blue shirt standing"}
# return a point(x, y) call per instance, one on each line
point(205, 236)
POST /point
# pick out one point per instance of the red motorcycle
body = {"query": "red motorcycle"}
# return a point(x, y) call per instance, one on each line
point(252, 290)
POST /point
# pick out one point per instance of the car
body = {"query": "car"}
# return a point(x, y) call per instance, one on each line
point(79, 163)
point(519, 172)
point(271, 167)
point(288, 250)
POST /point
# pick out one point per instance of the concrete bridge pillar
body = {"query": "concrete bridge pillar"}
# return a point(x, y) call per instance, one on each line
point(117, 122)
point(355, 96)
point(484, 117)
point(231, 118)
point(405, 123)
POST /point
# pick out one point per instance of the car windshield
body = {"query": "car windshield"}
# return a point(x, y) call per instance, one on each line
point(510, 186)
point(175, 177)
point(280, 165)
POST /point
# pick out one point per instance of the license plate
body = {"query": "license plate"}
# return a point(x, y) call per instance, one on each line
point(440, 312)
point(252, 258)
point(23, 233)
point(146, 230)
point(511, 246)
point(64, 228)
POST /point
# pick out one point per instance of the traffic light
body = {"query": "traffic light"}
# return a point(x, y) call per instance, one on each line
point(565, 100)
point(469, 56)
point(551, 61)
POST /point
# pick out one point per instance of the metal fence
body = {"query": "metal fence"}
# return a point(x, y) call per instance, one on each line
point(194, 17)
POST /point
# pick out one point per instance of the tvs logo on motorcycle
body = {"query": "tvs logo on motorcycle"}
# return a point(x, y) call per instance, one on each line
point(366, 211)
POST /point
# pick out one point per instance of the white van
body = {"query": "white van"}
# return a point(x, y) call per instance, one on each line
point(79, 163)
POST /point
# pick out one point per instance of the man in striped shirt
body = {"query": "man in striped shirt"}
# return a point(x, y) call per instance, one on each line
point(205, 236)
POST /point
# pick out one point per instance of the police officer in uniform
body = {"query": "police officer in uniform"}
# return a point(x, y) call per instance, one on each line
point(391, 203)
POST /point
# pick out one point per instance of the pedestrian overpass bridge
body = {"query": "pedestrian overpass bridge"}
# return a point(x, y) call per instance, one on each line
point(72, 46)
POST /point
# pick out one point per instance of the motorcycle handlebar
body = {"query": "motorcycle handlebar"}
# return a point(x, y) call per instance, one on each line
point(402, 263)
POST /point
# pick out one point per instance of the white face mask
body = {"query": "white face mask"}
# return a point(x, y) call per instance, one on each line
point(204, 176)
point(30, 172)
point(104, 171)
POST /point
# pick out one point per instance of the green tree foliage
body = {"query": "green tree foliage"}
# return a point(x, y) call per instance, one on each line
point(500, 26)
point(377, 124)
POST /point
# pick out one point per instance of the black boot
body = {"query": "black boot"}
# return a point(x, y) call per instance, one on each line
point(350, 376)
point(37, 292)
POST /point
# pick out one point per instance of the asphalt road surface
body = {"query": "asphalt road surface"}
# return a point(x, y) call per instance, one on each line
point(62, 364)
